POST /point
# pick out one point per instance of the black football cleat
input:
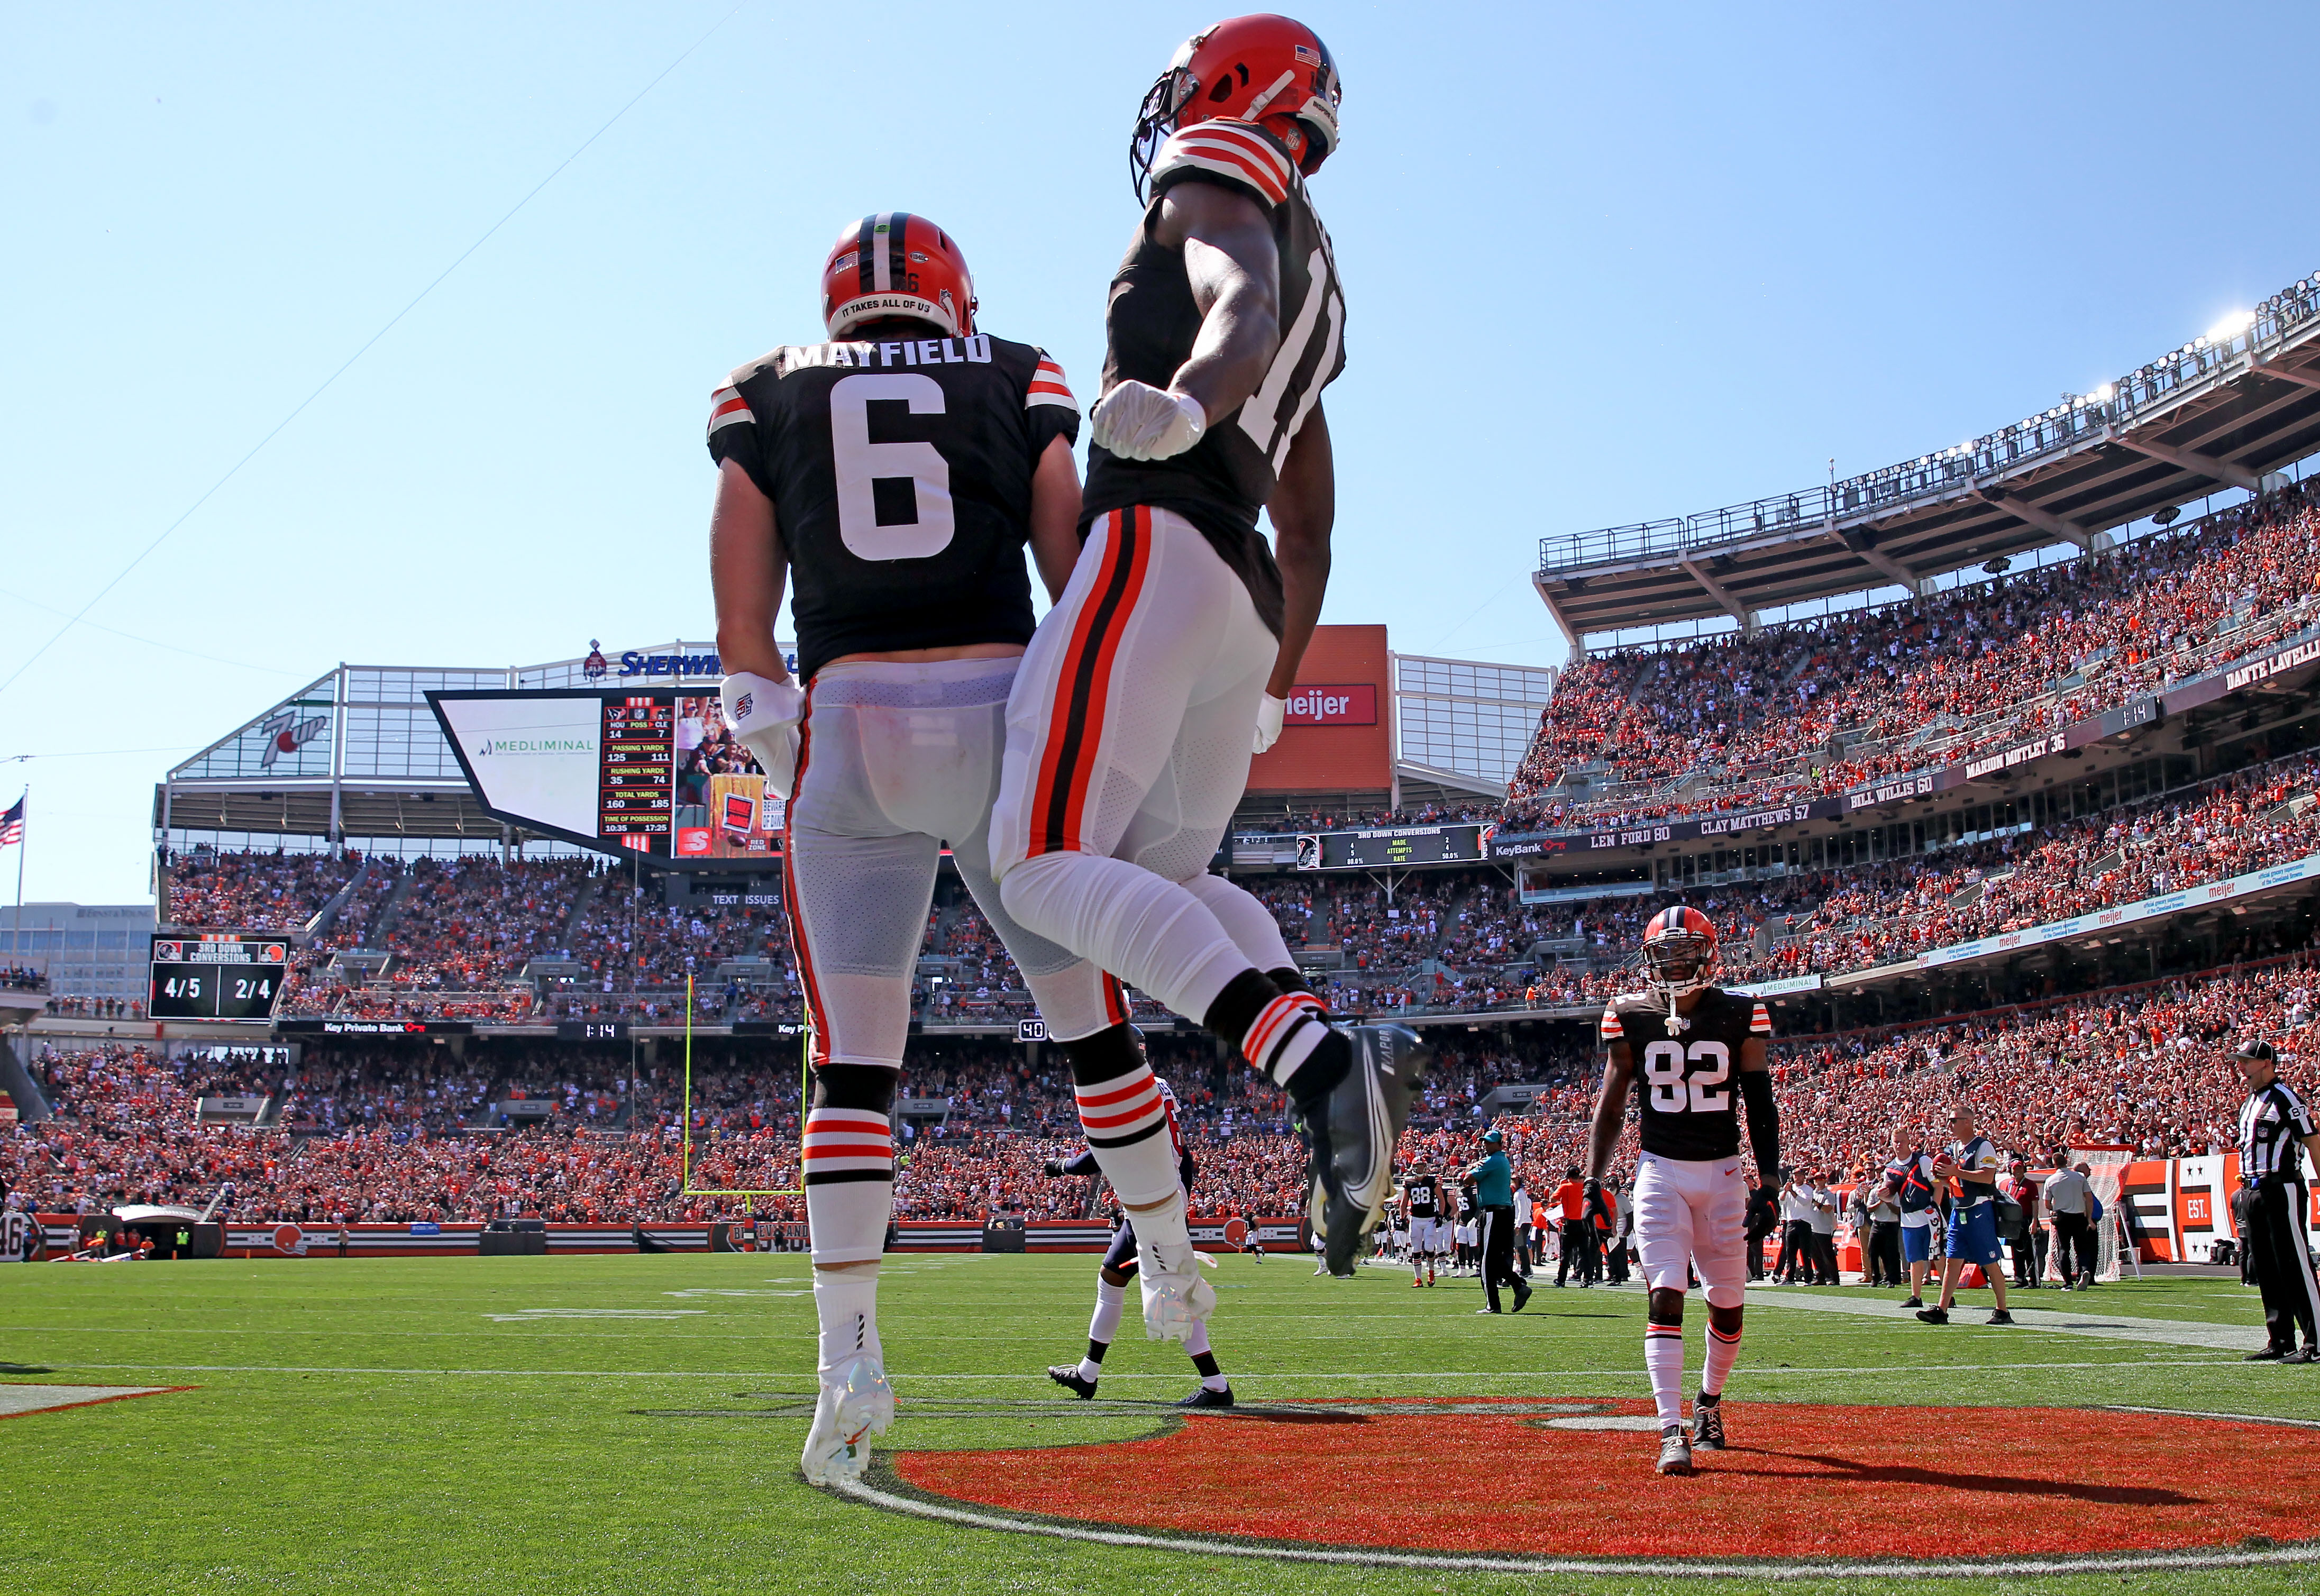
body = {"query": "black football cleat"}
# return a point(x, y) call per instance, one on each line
point(1353, 1144)
point(1522, 1296)
point(2270, 1355)
point(1203, 1397)
point(1934, 1315)
point(1068, 1376)
point(1708, 1426)
point(2304, 1354)
point(2001, 1318)
point(1675, 1452)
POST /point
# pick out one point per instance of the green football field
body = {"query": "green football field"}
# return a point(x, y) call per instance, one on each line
point(631, 1424)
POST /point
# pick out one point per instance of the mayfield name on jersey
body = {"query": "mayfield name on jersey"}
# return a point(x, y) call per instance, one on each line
point(1686, 1083)
point(900, 471)
point(1220, 483)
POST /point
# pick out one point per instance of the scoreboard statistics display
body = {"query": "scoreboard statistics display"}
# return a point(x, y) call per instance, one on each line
point(636, 784)
point(656, 773)
point(1390, 848)
point(217, 976)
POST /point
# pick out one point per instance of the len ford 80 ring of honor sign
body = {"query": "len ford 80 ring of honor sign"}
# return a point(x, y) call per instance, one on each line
point(629, 772)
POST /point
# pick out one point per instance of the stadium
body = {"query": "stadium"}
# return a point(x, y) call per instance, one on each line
point(464, 1065)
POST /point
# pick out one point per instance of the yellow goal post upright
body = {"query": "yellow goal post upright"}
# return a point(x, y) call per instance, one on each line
point(685, 1187)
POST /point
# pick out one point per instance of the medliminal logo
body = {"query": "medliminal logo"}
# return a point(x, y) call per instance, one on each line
point(535, 745)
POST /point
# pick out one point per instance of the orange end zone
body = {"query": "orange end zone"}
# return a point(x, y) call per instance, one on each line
point(1801, 1480)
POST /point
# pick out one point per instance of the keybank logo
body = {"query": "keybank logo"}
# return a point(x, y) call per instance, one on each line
point(535, 745)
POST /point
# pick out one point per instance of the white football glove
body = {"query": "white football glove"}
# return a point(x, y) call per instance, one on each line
point(764, 714)
point(1137, 421)
point(1269, 713)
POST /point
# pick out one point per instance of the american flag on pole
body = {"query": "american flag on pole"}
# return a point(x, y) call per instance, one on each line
point(12, 824)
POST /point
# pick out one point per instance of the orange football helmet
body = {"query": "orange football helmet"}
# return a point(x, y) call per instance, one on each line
point(896, 263)
point(1271, 70)
point(1679, 954)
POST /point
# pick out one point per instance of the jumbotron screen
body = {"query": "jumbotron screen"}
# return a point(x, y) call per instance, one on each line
point(1389, 848)
point(650, 773)
point(217, 976)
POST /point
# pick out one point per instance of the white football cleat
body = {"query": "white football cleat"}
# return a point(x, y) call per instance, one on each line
point(1175, 1295)
point(856, 1404)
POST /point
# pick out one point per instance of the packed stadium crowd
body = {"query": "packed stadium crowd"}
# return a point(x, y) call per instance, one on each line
point(378, 1134)
point(254, 891)
point(1818, 707)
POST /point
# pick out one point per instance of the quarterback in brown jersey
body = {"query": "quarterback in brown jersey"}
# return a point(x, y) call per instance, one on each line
point(1690, 1052)
point(892, 475)
point(1164, 667)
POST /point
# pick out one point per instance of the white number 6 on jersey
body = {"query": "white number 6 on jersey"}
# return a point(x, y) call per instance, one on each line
point(861, 462)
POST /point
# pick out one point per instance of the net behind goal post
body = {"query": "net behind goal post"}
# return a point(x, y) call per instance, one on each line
point(2105, 1171)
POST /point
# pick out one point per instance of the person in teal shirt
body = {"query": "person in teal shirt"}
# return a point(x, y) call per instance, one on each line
point(1494, 1196)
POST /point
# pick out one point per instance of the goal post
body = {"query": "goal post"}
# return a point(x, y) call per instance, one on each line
point(685, 1188)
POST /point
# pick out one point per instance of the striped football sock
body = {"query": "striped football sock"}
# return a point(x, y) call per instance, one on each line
point(1663, 1359)
point(1723, 1352)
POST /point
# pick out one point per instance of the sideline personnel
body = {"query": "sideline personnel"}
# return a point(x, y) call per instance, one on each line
point(2272, 1122)
point(1494, 1196)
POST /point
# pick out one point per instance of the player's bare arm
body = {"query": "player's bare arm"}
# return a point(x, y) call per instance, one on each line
point(1055, 517)
point(1234, 269)
point(747, 568)
point(1611, 1108)
point(1303, 510)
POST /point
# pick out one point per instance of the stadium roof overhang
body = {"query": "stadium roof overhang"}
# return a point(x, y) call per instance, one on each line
point(297, 809)
point(2221, 412)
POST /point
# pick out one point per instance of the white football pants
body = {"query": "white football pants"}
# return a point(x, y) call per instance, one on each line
point(1128, 741)
point(894, 761)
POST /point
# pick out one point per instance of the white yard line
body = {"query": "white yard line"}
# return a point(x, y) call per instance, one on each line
point(1634, 1372)
point(2087, 1320)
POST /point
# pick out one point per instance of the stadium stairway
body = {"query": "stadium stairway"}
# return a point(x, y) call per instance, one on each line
point(383, 922)
point(582, 901)
point(327, 914)
point(16, 1081)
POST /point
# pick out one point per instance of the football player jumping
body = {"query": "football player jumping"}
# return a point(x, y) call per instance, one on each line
point(1147, 688)
point(1119, 1267)
point(898, 468)
point(1687, 1048)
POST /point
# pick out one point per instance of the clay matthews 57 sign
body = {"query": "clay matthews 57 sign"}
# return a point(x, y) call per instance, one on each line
point(1352, 703)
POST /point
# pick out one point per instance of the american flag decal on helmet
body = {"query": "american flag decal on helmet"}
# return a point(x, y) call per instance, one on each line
point(1049, 386)
point(1236, 149)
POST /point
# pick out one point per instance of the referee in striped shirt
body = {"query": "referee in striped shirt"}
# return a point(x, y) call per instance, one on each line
point(2275, 1126)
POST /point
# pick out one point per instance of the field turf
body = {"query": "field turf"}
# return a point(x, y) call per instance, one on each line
point(628, 1424)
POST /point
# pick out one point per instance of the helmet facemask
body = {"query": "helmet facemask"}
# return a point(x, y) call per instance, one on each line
point(1679, 965)
point(1156, 119)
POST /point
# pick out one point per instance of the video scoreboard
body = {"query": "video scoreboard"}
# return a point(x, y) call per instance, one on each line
point(1390, 848)
point(656, 773)
point(635, 779)
point(217, 975)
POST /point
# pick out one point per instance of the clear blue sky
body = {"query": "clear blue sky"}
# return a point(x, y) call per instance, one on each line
point(1602, 265)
